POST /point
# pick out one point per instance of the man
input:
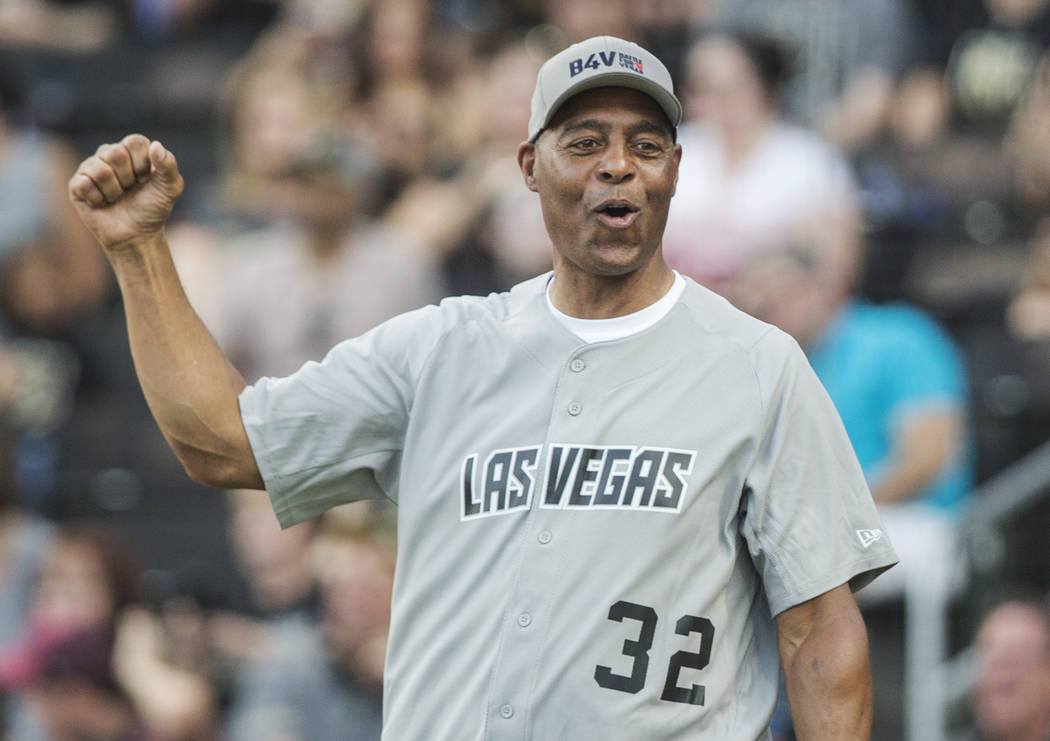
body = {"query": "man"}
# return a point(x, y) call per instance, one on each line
point(609, 481)
point(1011, 689)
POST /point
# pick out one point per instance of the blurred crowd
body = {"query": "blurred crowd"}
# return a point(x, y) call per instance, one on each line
point(872, 177)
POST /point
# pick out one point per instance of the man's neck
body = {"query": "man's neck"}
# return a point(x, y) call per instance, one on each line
point(586, 296)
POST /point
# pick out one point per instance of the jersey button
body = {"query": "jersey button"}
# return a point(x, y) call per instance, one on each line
point(506, 711)
point(545, 537)
point(577, 365)
point(575, 408)
point(524, 620)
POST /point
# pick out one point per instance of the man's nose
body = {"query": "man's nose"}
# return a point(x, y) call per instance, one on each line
point(616, 166)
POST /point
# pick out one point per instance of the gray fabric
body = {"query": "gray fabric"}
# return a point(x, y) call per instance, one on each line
point(717, 483)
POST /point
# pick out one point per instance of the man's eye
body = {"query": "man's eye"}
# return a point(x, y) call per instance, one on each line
point(585, 144)
point(646, 147)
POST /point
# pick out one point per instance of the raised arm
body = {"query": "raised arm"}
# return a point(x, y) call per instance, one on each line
point(824, 652)
point(124, 194)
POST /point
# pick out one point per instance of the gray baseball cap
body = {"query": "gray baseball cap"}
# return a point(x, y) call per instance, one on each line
point(600, 61)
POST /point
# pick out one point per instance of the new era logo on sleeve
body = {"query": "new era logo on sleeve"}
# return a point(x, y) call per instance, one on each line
point(867, 537)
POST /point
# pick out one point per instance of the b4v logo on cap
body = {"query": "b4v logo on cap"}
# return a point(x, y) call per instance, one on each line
point(867, 537)
point(606, 59)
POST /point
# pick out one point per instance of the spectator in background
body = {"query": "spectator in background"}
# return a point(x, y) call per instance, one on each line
point(746, 174)
point(354, 560)
point(580, 20)
point(407, 86)
point(170, 19)
point(278, 125)
point(68, 675)
point(1028, 315)
point(91, 26)
point(963, 161)
point(895, 377)
point(64, 668)
point(667, 26)
point(54, 25)
point(1010, 696)
point(1027, 144)
point(850, 53)
point(174, 702)
point(987, 52)
point(312, 267)
point(24, 541)
point(273, 562)
point(329, 20)
point(483, 220)
point(929, 185)
point(299, 681)
point(52, 279)
point(900, 387)
point(50, 270)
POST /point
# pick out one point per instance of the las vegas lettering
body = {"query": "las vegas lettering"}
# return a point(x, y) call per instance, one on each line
point(577, 477)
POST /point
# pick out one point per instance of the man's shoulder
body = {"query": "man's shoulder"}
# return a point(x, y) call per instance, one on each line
point(717, 319)
point(459, 318)
point(495, 308)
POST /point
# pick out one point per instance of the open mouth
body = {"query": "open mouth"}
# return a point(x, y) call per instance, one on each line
point(617, 214)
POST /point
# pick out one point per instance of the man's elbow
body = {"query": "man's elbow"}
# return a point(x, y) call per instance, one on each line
point(220, 471)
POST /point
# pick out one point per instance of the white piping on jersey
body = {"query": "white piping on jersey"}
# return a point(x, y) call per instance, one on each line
point(618, 327)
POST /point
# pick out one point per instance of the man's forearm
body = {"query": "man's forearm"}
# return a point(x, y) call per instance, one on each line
point(124, 194)
point(188, 383)
point(827, 671)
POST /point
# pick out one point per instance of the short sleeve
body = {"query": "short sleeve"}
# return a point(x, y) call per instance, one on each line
point(332, 432)
point(809, 519)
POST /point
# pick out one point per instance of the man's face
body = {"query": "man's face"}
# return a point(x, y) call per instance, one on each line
point(605, 171)
point(1011, 692)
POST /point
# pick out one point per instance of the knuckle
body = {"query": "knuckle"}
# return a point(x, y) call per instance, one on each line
point(112, 154)
point(116, 155)
point(96, 169)
point(81, 188)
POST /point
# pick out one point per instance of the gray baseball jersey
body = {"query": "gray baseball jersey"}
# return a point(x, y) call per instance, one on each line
point(593, 538)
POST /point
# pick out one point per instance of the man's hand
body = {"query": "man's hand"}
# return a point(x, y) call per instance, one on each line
point(124, 194)
point(125, 191)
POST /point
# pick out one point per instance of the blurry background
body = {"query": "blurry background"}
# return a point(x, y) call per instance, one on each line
point(873, 177)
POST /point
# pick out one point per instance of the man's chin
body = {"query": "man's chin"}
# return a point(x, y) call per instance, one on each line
point(613, 260)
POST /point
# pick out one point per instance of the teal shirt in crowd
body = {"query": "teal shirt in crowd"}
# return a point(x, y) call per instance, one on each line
point(880, 363)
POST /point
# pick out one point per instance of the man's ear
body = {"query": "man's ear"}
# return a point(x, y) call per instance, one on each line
point(527, 163)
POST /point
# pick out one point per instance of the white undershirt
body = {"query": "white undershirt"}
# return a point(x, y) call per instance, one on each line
point(617, 327)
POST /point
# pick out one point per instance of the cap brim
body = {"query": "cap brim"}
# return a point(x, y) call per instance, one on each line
point(668, 103)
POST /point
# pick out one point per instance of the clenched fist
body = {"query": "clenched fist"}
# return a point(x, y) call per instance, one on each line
point(125, 191)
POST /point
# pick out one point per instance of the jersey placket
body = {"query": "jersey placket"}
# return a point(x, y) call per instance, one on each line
point(544, 548)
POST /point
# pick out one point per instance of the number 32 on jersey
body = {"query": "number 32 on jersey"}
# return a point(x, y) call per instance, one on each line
point(638, 650)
